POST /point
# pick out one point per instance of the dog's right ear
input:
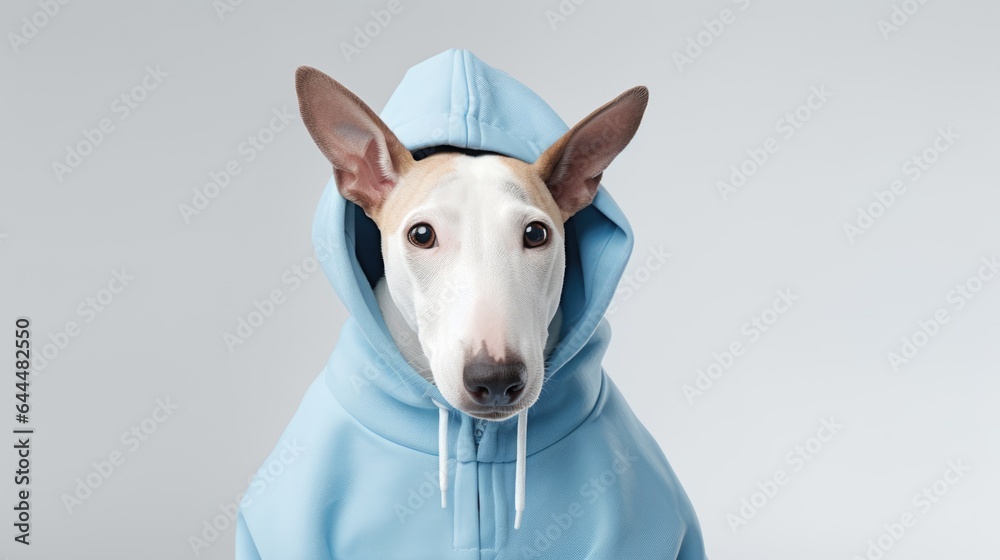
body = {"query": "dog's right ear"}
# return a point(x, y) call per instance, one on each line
point(367, 158)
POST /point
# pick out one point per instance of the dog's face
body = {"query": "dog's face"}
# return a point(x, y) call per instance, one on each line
point(473, 246)
point(474, 258)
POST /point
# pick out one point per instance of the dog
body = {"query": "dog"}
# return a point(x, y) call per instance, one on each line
point(477, 259)
point(490, 222)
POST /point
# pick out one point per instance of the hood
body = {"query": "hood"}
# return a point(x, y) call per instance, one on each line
point(455, 99)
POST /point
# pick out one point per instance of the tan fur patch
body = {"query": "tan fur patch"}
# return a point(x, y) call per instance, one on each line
point(426, 174)
point(528, 178)
point(415, 187)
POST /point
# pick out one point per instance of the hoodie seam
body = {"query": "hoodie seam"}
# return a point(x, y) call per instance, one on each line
point(469, 99)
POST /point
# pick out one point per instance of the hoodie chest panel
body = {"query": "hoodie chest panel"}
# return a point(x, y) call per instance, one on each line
point(466, 503)
point(482, 507)
point(481, 513)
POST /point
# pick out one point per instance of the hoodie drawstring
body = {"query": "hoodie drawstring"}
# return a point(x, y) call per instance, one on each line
point(442, 451)
point(520, 466)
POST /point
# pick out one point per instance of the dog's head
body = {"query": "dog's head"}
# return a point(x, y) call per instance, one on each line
point(473, 246)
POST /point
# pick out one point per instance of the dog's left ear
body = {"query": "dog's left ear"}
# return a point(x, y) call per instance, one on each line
point(573, 165)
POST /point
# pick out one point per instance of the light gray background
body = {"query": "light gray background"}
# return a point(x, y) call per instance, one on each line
point(162, 336)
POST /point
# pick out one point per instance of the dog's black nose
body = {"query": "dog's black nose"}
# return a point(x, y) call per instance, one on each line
point(490, 383)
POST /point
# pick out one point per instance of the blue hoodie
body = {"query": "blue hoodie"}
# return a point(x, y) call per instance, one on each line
point(356, 474)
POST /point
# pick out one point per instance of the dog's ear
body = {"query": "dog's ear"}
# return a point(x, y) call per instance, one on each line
point(367, 158)
point(573, 165)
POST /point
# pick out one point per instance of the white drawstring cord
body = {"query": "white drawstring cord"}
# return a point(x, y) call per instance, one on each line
point(520, 468)
point(442, 451)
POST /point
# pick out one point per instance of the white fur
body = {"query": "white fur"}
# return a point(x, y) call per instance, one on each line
point(480, 288)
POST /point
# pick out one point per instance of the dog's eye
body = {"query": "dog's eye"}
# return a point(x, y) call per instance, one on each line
point(422, 235)
point(535, 235)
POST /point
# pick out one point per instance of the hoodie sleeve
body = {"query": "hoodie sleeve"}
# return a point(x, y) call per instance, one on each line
point(245, 547)
point(693, 546)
